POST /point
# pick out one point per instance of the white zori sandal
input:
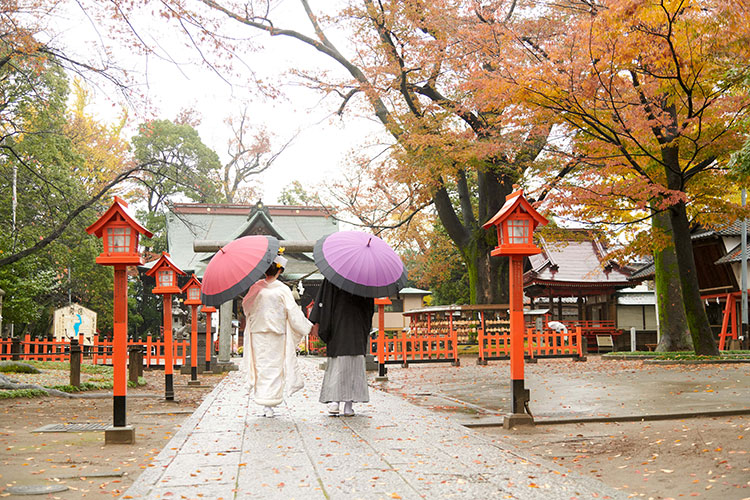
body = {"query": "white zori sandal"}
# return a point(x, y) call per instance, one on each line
point(333, 408)
point(267, 411)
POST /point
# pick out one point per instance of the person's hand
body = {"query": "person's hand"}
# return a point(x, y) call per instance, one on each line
point(314, 329)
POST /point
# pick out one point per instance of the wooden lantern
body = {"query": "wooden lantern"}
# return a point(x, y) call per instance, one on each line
point(165, 271)
point(192, 289)
point(119, 233)
point(515, 223)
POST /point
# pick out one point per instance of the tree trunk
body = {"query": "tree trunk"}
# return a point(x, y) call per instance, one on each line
point(700, 329)
point(485, 277)
point(695, 313)
point(675, 335)
point(488, 276)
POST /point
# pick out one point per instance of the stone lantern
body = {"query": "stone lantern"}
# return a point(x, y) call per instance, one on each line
point(119, 233)
point(192, 290)
point(165, 271)
point(515, 223)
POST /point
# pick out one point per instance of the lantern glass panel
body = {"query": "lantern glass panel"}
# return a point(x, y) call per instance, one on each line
point(166, 278)
point(193, 293)
point(118, 239)
point(519, 231)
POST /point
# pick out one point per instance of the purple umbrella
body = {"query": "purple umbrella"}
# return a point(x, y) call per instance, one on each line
point(360, 263)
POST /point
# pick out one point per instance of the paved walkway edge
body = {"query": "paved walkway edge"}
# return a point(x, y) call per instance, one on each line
point(151, 475)
point(494, 422)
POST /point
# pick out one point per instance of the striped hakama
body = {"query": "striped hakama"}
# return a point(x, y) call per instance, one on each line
point(345, 380)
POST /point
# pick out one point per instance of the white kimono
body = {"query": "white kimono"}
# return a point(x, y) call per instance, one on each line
point(274, 326)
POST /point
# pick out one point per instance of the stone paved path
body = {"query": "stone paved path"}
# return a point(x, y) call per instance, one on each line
point(390, 449)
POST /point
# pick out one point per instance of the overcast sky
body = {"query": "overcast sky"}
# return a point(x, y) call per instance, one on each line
point(322, 142)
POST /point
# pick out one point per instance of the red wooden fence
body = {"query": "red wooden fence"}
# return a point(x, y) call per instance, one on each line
point(38, 350)
point(101, 351)
point(154, 354)
point(408, 348)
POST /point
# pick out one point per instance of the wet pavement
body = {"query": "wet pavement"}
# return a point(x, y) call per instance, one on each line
point(390, 449)
point(565, 391)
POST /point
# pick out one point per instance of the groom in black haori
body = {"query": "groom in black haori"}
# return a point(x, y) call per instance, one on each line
point(344, 323)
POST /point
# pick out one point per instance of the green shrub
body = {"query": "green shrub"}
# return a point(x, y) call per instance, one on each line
point(85, 386)
point(22, 393)
point(681, 355)
point(141, 381)
point(64, 365)
point(17, 367)
point(50, 365)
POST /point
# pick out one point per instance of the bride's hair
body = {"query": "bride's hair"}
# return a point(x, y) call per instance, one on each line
point(273, 269)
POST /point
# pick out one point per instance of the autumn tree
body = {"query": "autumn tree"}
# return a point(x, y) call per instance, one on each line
point(405, 64)
point(250, 153)
point(654, 97)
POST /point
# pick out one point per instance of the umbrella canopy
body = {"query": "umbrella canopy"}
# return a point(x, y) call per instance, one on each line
point(236, 266)
point(360, 263)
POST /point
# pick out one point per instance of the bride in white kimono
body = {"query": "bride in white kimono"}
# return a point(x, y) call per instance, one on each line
point(274, 326)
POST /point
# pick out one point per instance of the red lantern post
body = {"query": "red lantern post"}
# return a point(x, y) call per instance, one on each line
point(119, 233)
point(381, 303)
point(208, 310)
point(193, 290)
point(515, 223)
point(165, 272)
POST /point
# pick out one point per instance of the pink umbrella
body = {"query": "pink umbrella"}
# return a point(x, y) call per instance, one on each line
point(236, 266)
point(360, 263)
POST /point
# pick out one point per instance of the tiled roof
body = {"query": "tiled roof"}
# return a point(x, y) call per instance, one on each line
point(645, 272)
point(200, 221)
point(573, 262)
point(731, 229)
point(733, 255)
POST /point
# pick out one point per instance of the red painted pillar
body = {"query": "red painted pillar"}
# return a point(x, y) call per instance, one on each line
point(209, 341)
point(168, 353)
point(193, 343)
point(519, 394)
point(381, 340)
point(120, 348)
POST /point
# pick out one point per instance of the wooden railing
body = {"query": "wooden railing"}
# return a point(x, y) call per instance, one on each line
point(408, 348)
point(36, 350)
point(101, 351)
point(552, 344)
point(154, 355)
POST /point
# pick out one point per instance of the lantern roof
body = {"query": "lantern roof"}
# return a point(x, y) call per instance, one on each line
point(191, 283)
point(118, 208)
point(513, 201)
point(208, 309)
point(165, 261)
